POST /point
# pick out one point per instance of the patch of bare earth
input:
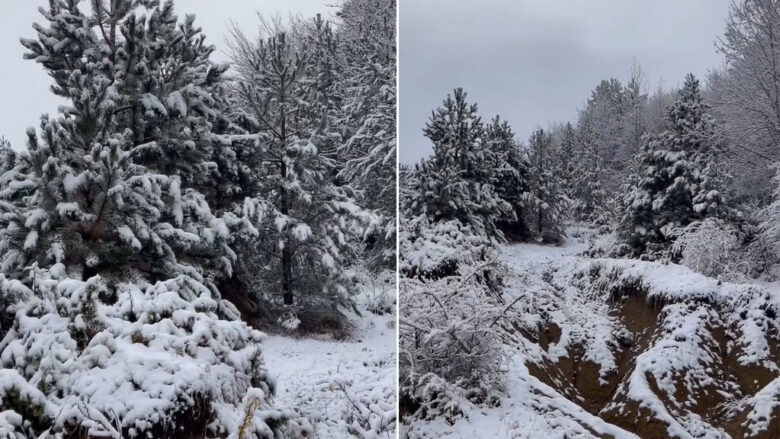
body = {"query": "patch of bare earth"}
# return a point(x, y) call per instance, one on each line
point(713, 396)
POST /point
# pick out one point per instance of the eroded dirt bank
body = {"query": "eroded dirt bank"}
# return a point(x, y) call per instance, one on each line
point(655, 350)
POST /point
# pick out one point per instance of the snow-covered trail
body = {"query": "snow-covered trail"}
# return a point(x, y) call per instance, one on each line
point(308, 373)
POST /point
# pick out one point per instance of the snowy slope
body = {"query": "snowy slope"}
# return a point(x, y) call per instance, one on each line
point(345, 388)
point(626, 349)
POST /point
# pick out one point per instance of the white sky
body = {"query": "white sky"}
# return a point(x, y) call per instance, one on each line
point(536, 61)
point(24, 86)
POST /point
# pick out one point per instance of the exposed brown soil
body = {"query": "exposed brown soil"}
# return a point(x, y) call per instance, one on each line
point(579, 380)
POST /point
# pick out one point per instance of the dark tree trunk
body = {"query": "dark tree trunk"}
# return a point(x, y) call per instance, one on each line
point(287, 288)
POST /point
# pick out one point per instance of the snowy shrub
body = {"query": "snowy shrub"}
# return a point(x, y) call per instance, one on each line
point(434, 250)
point(130, 360)
point(380, 292)
point(761, 256)
point(450, 352)
point(712, 247)
point(768, 239)
point(289, 321)
point(372, 414)
point(434, 397)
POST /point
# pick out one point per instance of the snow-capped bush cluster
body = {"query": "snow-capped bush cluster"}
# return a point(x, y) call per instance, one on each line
point(166, 202)
point(714, 248)
point(450, 300)
point(136, 360)
point(450, 292)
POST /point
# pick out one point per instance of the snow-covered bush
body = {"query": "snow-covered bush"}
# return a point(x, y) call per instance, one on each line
point(129, 360)
point(450, 296)
point(379, 292)
point(767, 243)
point(434, 250)
point(714, 248)
point(372, 413)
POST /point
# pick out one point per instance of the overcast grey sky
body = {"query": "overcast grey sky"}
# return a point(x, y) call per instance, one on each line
point(24, 87)
point(536, 61)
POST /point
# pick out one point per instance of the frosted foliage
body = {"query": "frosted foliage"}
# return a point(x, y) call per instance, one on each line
point(132, 367)
point(113, 324)
point(312, 225)
point(448, 297)
point(713, 248)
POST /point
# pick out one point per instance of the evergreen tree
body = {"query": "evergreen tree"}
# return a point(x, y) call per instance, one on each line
point(603, 118)
point(544, 198)
point(306, 221)
point(367, 52)
point(634, 124)
point(168, 91)
point(113, 256)
point(7, 155)
point(565, 138)
point(510, 176)
point(455, 183)
point(588, 174)
point(678, 179)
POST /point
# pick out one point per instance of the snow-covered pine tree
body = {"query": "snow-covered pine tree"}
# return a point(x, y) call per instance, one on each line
point(604, 118)
point(678, 179)
point(169, 91)
point(634, 124)
point(455, 182)
point(545, 199)
point(565, 139)
point(588, 174)
point(509, 176)
point(7, 155)
point(367, 52)
point(118, 329)
point(307, 223)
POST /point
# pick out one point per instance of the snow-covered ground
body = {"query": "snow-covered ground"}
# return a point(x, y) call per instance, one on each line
point(345, 388)
point(589, 362)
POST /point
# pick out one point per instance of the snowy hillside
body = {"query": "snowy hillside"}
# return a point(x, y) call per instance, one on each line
point(626, 349)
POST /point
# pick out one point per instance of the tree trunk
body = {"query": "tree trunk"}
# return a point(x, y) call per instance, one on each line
point(286, 251)
point(287, 288)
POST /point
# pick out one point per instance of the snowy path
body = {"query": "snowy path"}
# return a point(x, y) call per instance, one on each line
point(306, 372)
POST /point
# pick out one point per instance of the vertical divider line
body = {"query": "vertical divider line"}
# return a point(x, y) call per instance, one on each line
point(397, 219)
